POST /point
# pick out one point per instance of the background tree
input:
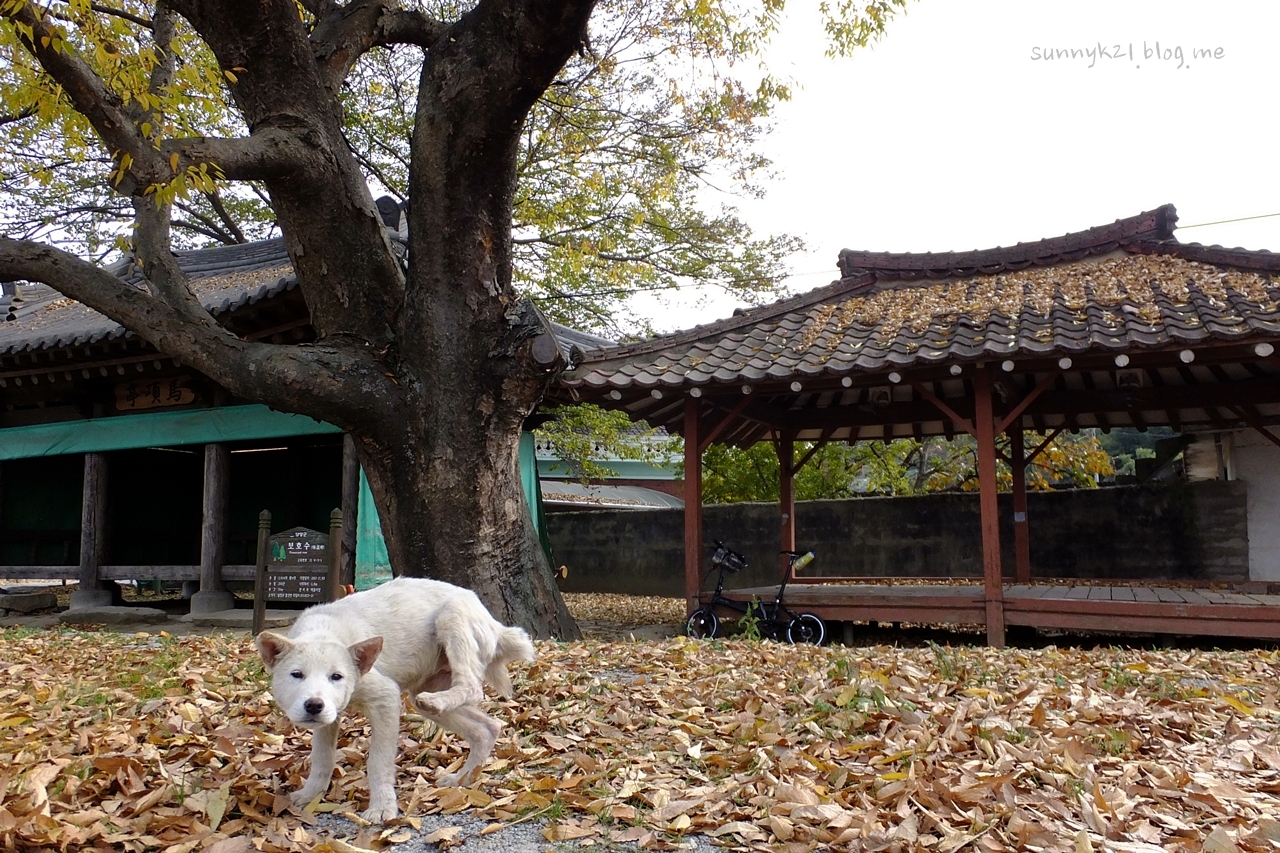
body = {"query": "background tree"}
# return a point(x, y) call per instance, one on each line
point(615, 163)
point(904, 466)
point(580, 437)
point(156, 124)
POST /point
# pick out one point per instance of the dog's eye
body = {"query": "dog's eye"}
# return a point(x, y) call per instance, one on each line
point(297, 673)
point(337, 676)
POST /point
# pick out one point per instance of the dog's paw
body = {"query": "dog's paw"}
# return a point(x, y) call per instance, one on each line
point(380, 814)
point(453, 780)
point(302, 799)
point(429, 704)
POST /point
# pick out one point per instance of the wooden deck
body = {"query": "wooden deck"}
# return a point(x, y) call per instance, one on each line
point(1080, 607)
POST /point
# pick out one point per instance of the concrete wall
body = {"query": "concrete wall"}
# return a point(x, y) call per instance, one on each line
point(1184, 531)
point(1256, 461)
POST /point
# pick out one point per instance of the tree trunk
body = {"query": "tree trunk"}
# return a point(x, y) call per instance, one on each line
point(432, 369)
point(452, 508)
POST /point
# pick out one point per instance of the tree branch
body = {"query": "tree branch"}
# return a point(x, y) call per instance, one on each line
point(268, 152)
point(90, 96)
point(343, 34)
point(119, 13)
point(336, 383)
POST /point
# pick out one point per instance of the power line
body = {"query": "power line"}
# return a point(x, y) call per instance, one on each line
point(1225, 221)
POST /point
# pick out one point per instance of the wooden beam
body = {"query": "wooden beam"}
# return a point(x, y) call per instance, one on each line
point(93, 522)
point(692, 503)
point(1041, 387)
point(1253, 421)
point(964, 423)
point(786, 496)
point(1021, 534)
point(1040, 448)
point(992, 570)
point(720, 427)
point(213, 529)
point(350, 508)
point(817, 445)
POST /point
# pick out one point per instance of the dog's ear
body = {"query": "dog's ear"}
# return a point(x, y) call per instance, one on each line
point(365, 652)
point(272, 647)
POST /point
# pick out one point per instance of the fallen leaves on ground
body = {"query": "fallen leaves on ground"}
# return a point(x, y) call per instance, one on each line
point(624, 610)
point(166, 743)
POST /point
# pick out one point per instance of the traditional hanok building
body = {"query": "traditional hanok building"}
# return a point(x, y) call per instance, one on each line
point(1120, 325)
point(119, 463)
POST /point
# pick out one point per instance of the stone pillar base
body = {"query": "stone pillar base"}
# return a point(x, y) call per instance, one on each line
point(212, 602)
point(82, 598)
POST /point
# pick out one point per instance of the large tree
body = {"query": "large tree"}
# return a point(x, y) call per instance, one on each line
point(213, 113)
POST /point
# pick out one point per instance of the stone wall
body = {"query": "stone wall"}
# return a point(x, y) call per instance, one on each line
point(1179, 531)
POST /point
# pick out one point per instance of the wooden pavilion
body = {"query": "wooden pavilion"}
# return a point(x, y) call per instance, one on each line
point(1116, 326)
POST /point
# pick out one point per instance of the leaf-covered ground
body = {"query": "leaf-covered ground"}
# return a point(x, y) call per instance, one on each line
point(151, 742)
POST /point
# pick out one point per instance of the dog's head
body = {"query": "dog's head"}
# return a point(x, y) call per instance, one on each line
point(313, 679)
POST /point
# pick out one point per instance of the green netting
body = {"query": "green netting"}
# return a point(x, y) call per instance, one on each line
point(372, 564)
point(533, 489)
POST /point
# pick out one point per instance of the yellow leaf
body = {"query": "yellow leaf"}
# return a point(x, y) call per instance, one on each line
point(1237, 704)
point(565, 832)
point(217, 804)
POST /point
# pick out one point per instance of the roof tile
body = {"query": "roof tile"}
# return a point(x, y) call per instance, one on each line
point(1108, 288)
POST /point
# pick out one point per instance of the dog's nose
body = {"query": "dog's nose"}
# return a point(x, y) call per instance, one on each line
point(314, 706)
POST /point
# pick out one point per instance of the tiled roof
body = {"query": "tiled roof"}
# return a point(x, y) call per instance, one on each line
point(224, 277)
point(1120, 287)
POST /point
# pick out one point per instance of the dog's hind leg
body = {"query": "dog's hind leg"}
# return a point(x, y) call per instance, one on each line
point(467, 648)
point(324, 744)
point(478, 729)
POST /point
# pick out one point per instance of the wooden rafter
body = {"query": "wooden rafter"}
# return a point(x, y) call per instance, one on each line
point(714, 433)
point(1251, 418)
point(1016, 412)
point(962, 422)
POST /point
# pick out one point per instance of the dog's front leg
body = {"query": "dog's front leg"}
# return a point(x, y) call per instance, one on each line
point(324, 745)
point(382, 708)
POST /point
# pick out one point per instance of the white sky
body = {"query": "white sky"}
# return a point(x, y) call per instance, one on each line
point(949, 135)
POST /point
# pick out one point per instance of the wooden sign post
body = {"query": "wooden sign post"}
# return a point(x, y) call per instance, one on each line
point(296, 565)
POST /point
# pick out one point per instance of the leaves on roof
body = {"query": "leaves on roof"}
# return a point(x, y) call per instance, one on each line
point(1133, 283)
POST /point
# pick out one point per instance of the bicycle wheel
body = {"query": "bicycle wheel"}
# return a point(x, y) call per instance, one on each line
point(702, 625)
point(807, 628)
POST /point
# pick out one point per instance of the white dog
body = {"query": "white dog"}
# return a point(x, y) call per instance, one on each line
point(431, 640)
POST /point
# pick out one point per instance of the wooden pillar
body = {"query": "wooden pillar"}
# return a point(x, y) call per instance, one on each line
point(787, 495)
point(333, 585)
point(984, 426)
point(350, 509)
point(93, 591)
point(213, 596)
point(1021, 533)
point(692, 503)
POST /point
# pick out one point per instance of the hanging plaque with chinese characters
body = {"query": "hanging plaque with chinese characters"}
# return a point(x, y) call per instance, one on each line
point(154, 393)
point(297, 565)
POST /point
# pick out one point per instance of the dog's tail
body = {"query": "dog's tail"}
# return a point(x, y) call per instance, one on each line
point(513, 644)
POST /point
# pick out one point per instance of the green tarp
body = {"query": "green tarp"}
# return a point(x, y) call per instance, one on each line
point(156, 429)
point(372, 564)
